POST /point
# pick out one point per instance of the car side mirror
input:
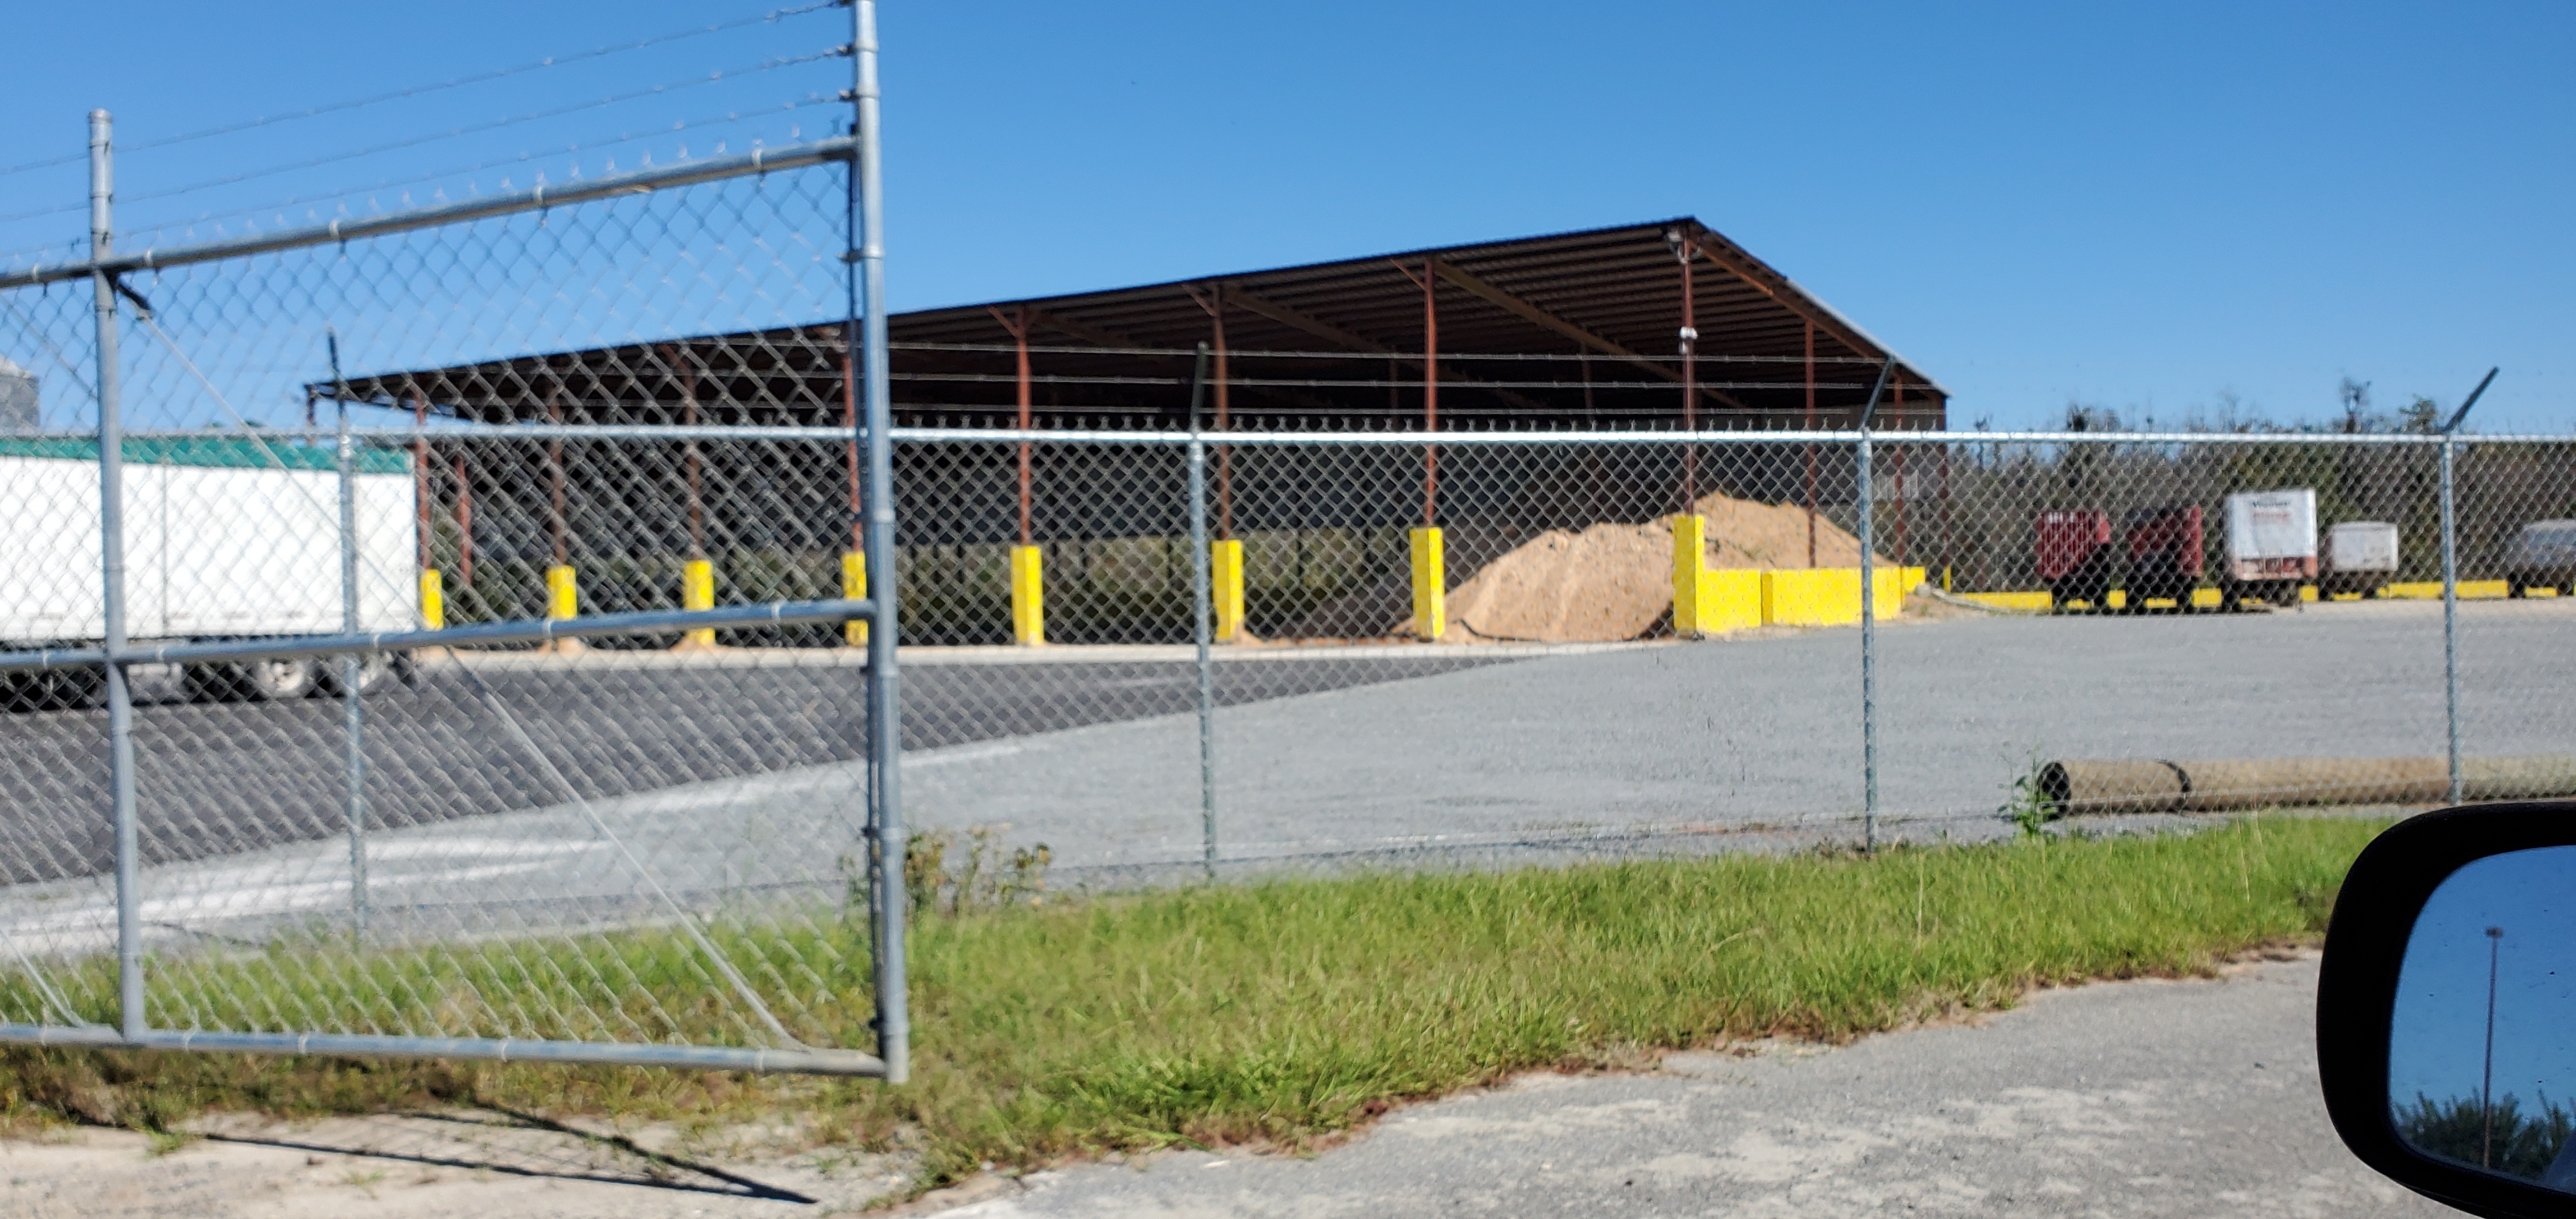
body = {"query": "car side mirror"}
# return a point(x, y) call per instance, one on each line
point(2446, 1008)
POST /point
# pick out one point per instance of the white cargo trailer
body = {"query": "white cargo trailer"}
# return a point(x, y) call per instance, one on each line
point(2361, 557)
point(224, 539)
point(2271, 544)
point(2544, 556)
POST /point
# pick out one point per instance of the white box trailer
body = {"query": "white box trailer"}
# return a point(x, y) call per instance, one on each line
point(220, 543)
point(2544, 556)
point(2271, 543)
point(2361, 557)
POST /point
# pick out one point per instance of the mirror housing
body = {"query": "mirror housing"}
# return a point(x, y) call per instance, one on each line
point(2357, 993)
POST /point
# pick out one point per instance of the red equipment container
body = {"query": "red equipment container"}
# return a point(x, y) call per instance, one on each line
point(2068, 539)
point(2164, 547)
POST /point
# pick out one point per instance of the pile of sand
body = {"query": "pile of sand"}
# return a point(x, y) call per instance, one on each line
point(1615, 582)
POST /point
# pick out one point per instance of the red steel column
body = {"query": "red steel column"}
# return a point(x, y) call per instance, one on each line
point(555, 479)
point(689, 418)
point(1224, 422)
point(1430, 392)
point(420, 474)
point(464, 522)
point(1690, 387)
point(1810, 446)
point(850, 420)
point(1896, 416)
point(1017, 323)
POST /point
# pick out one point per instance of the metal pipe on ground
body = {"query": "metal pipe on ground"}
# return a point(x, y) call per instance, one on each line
point(2163, 786)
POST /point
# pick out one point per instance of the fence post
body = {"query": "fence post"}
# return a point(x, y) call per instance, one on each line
point(1868, 654)
point(1869, 625)
point(1203, 608)
point(353, 727)
point(2450, 620)
point(111, 566)
point(885, 704)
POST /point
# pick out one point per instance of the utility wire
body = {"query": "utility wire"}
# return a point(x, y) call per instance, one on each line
point(552, 61)
point(451, 133)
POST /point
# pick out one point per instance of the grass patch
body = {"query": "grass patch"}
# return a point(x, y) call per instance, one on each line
point(1287, 1011)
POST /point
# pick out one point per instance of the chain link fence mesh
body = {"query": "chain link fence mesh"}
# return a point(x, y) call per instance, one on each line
point(1492, 647)
point(622, 838)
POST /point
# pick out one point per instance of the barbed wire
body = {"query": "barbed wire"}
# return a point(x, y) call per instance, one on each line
point(551, 61)
point(770, 65)
point(809, 100)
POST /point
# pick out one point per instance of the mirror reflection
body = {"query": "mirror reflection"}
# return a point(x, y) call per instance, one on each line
point(2481, 1061)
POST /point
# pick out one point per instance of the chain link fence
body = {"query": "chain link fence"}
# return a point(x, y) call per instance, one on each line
point(545, 705)
point(2059, 624)
point(349, 721)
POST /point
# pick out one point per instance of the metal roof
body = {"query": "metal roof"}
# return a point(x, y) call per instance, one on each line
point(1569, 329)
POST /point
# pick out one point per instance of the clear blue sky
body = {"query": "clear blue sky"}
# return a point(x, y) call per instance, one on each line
point(2147, 207)
point(2438, 1045)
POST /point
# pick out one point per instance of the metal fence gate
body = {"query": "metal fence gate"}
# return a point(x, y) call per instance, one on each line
point(298, 765)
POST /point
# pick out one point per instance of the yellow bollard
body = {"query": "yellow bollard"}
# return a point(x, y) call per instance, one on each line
point(698, 592)
point(1430, 585)
point(854, 587)
point(1028, 595)
point(1690, 562)
point(563, 595)
point(433, 601)
point(1225, 571)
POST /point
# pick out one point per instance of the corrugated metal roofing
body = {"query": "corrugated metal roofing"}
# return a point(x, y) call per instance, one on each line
point(1120, 357)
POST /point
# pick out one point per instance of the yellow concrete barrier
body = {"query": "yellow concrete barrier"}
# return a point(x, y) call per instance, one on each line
point(1430, 585)
point(2208, 598)
point(1225, 574)
point(1830, 596)
point(2431, 590)
point(433, 601)
point(2035, 600)
point(2540, 590)
point(854, 587)
point(563, 593)
point(1028, 595)
point(1730, 599)
point(698, 592)
point(1709, 602)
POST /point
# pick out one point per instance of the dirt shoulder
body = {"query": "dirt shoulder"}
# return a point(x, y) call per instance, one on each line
point(435, 1164)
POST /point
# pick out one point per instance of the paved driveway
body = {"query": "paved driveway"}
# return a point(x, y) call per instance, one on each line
point(2189, 1098)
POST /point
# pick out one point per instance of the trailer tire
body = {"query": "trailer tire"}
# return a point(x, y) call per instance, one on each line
point(258, 681)
point(374, 669)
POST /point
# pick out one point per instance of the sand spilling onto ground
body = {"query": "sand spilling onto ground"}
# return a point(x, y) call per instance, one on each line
point(1613, 582)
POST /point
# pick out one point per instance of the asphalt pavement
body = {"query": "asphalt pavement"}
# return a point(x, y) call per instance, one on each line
point(2152, 1098)
point(220, 778)
point(641, 781)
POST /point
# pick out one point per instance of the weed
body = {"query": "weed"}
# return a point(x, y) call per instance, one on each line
point(2027, 805)
point(941, 879)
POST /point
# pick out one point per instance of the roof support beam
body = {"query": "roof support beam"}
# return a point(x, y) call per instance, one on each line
point(1772, 284)
point(1527, 311)
point(1098, 336)
point(1237, 295)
